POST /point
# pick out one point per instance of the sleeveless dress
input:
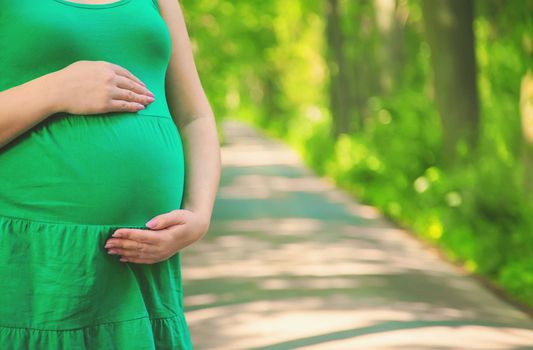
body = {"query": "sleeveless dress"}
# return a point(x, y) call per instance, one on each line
point(70, 181)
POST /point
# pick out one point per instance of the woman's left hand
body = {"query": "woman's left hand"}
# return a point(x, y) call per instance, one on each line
point(169, 233)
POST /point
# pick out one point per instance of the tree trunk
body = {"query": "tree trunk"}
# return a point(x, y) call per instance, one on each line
point(451, 39)
point(390, 20)
point(339, 86)
point(526, 111)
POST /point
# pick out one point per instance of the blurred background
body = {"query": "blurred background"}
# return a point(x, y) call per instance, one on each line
point(422, 109)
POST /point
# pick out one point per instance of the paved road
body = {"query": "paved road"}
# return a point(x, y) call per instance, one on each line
point(292, 262)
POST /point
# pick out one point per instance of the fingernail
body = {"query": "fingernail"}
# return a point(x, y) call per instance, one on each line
point(150, 99)
point(111, 252)
point(143, 84)
point(141, 106)
point(151, 224)
point(151, 93)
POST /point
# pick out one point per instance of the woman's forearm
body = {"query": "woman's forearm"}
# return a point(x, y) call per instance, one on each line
point(203, 164)
point(25, 105)
point(193, 116)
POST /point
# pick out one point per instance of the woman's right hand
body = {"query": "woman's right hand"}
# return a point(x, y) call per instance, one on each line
point(91, 87)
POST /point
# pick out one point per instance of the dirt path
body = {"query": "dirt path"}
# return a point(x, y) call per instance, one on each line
point(292, 262)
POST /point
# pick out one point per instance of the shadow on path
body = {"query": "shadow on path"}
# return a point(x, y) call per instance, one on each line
point(292, 262)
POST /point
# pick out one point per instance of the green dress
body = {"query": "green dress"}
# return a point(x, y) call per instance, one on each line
point(70, 181)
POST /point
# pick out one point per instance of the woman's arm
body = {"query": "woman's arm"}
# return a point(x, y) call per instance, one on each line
point(193, 116)
point(82, 87)
point(25, 105)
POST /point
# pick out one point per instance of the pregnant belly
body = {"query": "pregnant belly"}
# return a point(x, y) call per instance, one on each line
point(107, 169)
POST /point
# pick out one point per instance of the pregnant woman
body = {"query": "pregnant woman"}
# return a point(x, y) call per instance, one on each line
point(98, 193)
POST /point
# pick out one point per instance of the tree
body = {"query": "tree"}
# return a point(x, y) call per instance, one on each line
point(390, 21)
point(451, 39)
point(526, 111)
point(339, 84)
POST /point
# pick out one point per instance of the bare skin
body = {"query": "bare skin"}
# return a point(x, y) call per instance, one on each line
point(100, 87)
point(194, 117)
point(83, 87)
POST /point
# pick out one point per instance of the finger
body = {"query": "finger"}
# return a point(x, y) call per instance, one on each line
point(174, 217)
point(125, 73)
point(128, 253)
point(125, 106)
point(130, 96)
point(128, 84)
point(139, 235)
point(126, 244)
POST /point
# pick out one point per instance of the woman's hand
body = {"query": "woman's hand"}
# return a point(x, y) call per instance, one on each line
point(90, 87)
point(169, 233)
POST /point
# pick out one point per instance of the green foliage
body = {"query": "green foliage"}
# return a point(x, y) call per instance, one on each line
point(267, 62)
